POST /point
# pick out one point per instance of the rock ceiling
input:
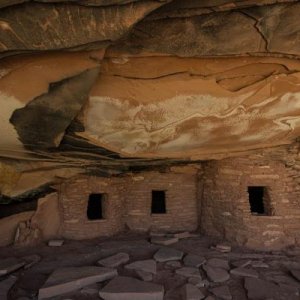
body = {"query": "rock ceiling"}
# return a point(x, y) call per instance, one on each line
point(108, 86)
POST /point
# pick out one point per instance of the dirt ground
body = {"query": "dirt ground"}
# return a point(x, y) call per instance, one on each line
point(88, 252)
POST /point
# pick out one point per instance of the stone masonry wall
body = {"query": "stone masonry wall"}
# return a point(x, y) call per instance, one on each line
point(225, 207)
point(129, 204)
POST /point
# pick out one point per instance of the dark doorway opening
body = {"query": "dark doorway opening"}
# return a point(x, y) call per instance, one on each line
point(256, 199)
point(95, 207)
point(158, 202)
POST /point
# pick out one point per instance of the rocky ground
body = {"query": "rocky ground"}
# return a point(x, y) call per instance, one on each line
point(136, 267)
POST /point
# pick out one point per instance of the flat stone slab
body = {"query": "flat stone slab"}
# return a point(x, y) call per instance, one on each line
point(182, 235)
point(241, 263)
point(114, 260)
point(244, 272)
point(192, 260)
point(218, 263)
point(10, 265)
point(260, 289)
point(216, 274)
point(168, 254)
point(127, 288)
point(223, 248)
point(148, 265)
point(145, 276)
point(192, 293)
point(66, 280)
point(189, 272)
point(6, 285)
point(222, 292)
point(164, 241)
point(31, 260)
point(55, 243)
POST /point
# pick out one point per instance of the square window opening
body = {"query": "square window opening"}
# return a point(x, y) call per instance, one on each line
point(95, 209)
point(158, 202)
point(258, 198)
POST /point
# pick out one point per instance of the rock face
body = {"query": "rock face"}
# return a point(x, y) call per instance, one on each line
point(152, 83)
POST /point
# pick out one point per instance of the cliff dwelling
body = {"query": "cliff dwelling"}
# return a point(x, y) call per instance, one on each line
point(149, 149)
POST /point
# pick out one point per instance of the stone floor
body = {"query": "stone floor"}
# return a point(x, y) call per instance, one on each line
point(191, 268)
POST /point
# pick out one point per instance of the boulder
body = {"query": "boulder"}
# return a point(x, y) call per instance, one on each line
point(168, 254)
point(192, 293)
point(192, 260)
point(222, 292)
point(216, 274)
point(66, 280)
point(189, 272)
point(114, 260)
point(127, 288)
point(218, 263)
point(148, 265)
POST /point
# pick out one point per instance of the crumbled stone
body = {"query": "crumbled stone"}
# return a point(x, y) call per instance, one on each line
point(145, 276)
point(114, 260)
point(6, 285)
point(55, 243)
point(164, 241)
point(127, 288)
point(216, 274)
point(148, 265)
point(244, 272)
point(218, 263)
point(10, 265)
point(192, 260)
point(192, 293)
point(189, 272)
point(66, 280)
point(222, 292)
point(168, 254)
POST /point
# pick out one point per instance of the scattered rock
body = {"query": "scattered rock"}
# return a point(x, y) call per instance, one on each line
point(242, 263)
point(148, 265)
point(259, 264)
point(216, 274)
point(164, 241)
point(6, 285)
point(222, 292)
point(66, 280)
point(145, 276)
point(127, 288)
point(173, 264)
point(192, 293)
point(182, 235)
point(198, 282)
point(244, 272)
point(114, 260)
point(55, 243)
point(218, 263)
point(296, 274)
point(10, 265)
point(223, 248)
point(260, 289)
point(31, 260)
point(192, 260)
point(167, 254)
point(189, 272)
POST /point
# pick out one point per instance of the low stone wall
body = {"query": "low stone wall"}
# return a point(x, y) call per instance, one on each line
point(225, 207)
